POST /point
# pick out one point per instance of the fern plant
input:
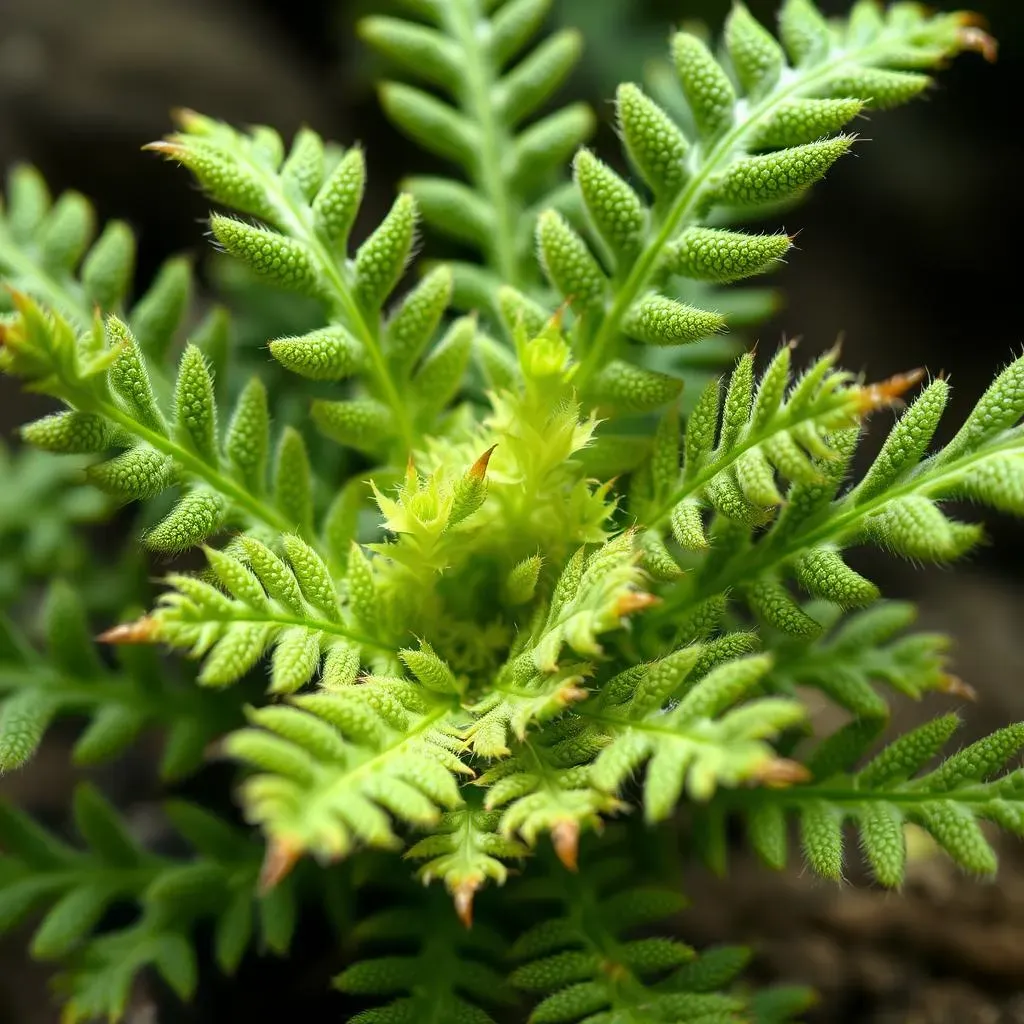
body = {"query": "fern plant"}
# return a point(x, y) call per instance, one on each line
point(536, 588)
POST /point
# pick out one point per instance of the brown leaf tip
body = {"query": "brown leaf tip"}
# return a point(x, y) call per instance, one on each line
point(280, 858)
point(565, 837)
point(570, 694)
point(888, 392)
point(462, 895)
point(141, 631)
point(166, 147)
point(972, 36)
point(956, 687)
point(635, 601)
point(779, 772)
point(478, 471)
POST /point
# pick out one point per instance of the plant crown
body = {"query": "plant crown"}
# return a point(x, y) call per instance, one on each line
point(480, 576)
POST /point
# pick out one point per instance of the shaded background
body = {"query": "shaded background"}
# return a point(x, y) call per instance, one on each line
point(907, 249)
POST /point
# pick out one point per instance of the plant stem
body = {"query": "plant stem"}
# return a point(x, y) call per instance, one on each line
point(298, 225)
point(838, 523)
point(462, 19)
point(688, 205)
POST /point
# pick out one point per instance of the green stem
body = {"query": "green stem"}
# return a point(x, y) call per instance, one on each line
point(843, 525)
point(687, 206)
point(372, 764)
point(462, 19)
point(298, 225)
point(799, 794)
point(192, 464)
point(780, 425)
point(317, 625)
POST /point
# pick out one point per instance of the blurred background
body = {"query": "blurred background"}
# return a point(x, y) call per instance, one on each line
point(906, 250)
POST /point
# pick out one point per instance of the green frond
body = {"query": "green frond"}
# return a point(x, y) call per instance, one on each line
point(452, 973)
point(751, 134)
point(891, 791)
point(334, 768)
point(863, 651)
point(286, 603)
point(465, 851)
point(306, 203)
point(594, 958)
point(78, 886)
point(40, 511)
point(690, 732)
point(542, 786)
point(483, 94)
point(897, 506)
point(69, 678)
point(107, 380)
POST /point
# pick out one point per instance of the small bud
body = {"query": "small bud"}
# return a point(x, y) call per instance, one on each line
point(108, 267)
point(471, 491)
point(772, 177)
point(195, 406)
point(381, 259)
point(328, 354)
point(362, 423)
point(709, 254)
point(225, 180)
point(248, 436)
point(799, 121)
point(568, 261)
point(409, 331)
point(657, 320)
point(268, 254)
point(708, 90)
point(439, 378)
point(70, 433)
point(655, 144)
point(614, 207)
point(633, 388)
point(304, 168)
point(338, 201)
point(197, 515)
point(521, 583)
point(138, 473)
point(756, 57)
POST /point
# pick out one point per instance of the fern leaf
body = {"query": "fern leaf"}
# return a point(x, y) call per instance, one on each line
point(485, 91)
point(69, 678)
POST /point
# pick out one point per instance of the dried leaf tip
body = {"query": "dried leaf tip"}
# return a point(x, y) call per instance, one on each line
point(956, 687)
point(478, 471)
point(565, 837)
point(166, 147)
point(780, 772)
point(463, 893)
point(972, 36)
point(280, 858)
point(888, 392)
point(141, 631)
point(635, 601)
